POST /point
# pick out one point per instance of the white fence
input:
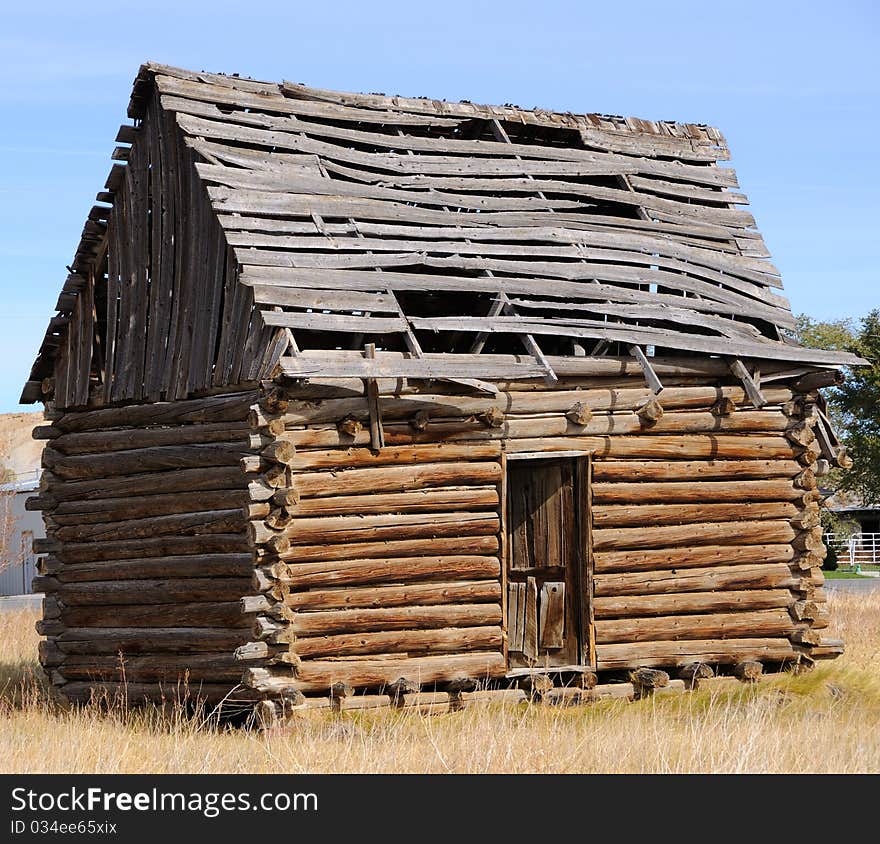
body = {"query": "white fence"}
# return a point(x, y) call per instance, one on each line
point(859, 551)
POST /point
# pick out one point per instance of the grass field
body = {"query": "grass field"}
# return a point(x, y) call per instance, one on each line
point(827, 720)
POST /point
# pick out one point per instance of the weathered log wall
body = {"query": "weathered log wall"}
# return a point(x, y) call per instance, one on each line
point(147, 557)
point(381, 565)
point(259, 532)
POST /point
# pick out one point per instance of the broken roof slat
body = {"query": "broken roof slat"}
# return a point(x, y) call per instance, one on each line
point(332, 203)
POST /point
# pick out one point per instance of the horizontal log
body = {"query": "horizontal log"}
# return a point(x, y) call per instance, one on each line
point(693, 470)
point(410, 642)
point(623, 515)
point(397, 478)
point(716, 625)
point(165, 667)
point(571, 375)
point(747, 533)
point(97, 442)
point(181, 480)
point(827, 649)
point(162, 546)
point(230, 694)
point(446, 545)
point(45, 432)
point(232, 407)
point(355, 572)
point(632, 561)
point(417, 594)
point(814, 380)
point(190, 614)
point(764, 576)
point(686, 446)
point(631, 606)
point(184, 524)
point(566, 367)
point(137, 461)
point(393, 455)
point(139, 568)
point(260, 534)
point(667, 493)
point(601, 423)
point(185, 590)
point(350, 529)
point(143, 506)
point(146, 640)
point(318, 675)
point(417, 501)
point(395, 618)
point(513, 403)
point(714, 651)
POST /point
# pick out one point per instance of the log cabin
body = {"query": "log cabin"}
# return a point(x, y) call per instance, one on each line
point(360, 398)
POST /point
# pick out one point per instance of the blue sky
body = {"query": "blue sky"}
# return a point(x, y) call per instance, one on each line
point(793, 86)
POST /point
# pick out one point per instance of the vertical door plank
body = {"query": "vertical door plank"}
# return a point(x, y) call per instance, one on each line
point(553, 614)
point(520, 551)
point(515, 613)
point(530, 622)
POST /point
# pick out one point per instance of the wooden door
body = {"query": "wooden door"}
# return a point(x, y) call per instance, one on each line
point(547, 580)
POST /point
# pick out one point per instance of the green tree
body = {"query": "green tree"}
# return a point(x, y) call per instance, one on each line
point(855, 405)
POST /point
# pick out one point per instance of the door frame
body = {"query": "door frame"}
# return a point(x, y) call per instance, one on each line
point(583, 497)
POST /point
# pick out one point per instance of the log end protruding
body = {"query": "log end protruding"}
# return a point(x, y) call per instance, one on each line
point(274, 401)
point(806, 636)
point(350, 426)
point(693, 672)
point(805, 479)
point(399, 688)
point(339, 692)
point(587, 680)
point(267, 715)
point(816, 380)
point(419, 420)
point(492, 418)
point(279, 518)
point(725, 406)
point(748, 671)
point(286, 497)
point(456, 690)
point(536, 686)
point(279, 451)
point(646, 680)
point(800, 433)
point(579, 413)
point(46, 432)
point(650, 412)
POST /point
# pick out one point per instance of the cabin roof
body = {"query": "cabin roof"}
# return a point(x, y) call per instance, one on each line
point(437, 226)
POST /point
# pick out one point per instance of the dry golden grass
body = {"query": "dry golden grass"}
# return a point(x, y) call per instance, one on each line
point(825, 721)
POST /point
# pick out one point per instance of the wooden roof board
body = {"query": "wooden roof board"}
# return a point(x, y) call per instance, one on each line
point(593, 225)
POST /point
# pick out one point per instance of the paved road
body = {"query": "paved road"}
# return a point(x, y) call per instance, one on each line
point(20, 602)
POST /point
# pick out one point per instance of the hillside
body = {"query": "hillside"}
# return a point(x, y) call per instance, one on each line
point(18, 451)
